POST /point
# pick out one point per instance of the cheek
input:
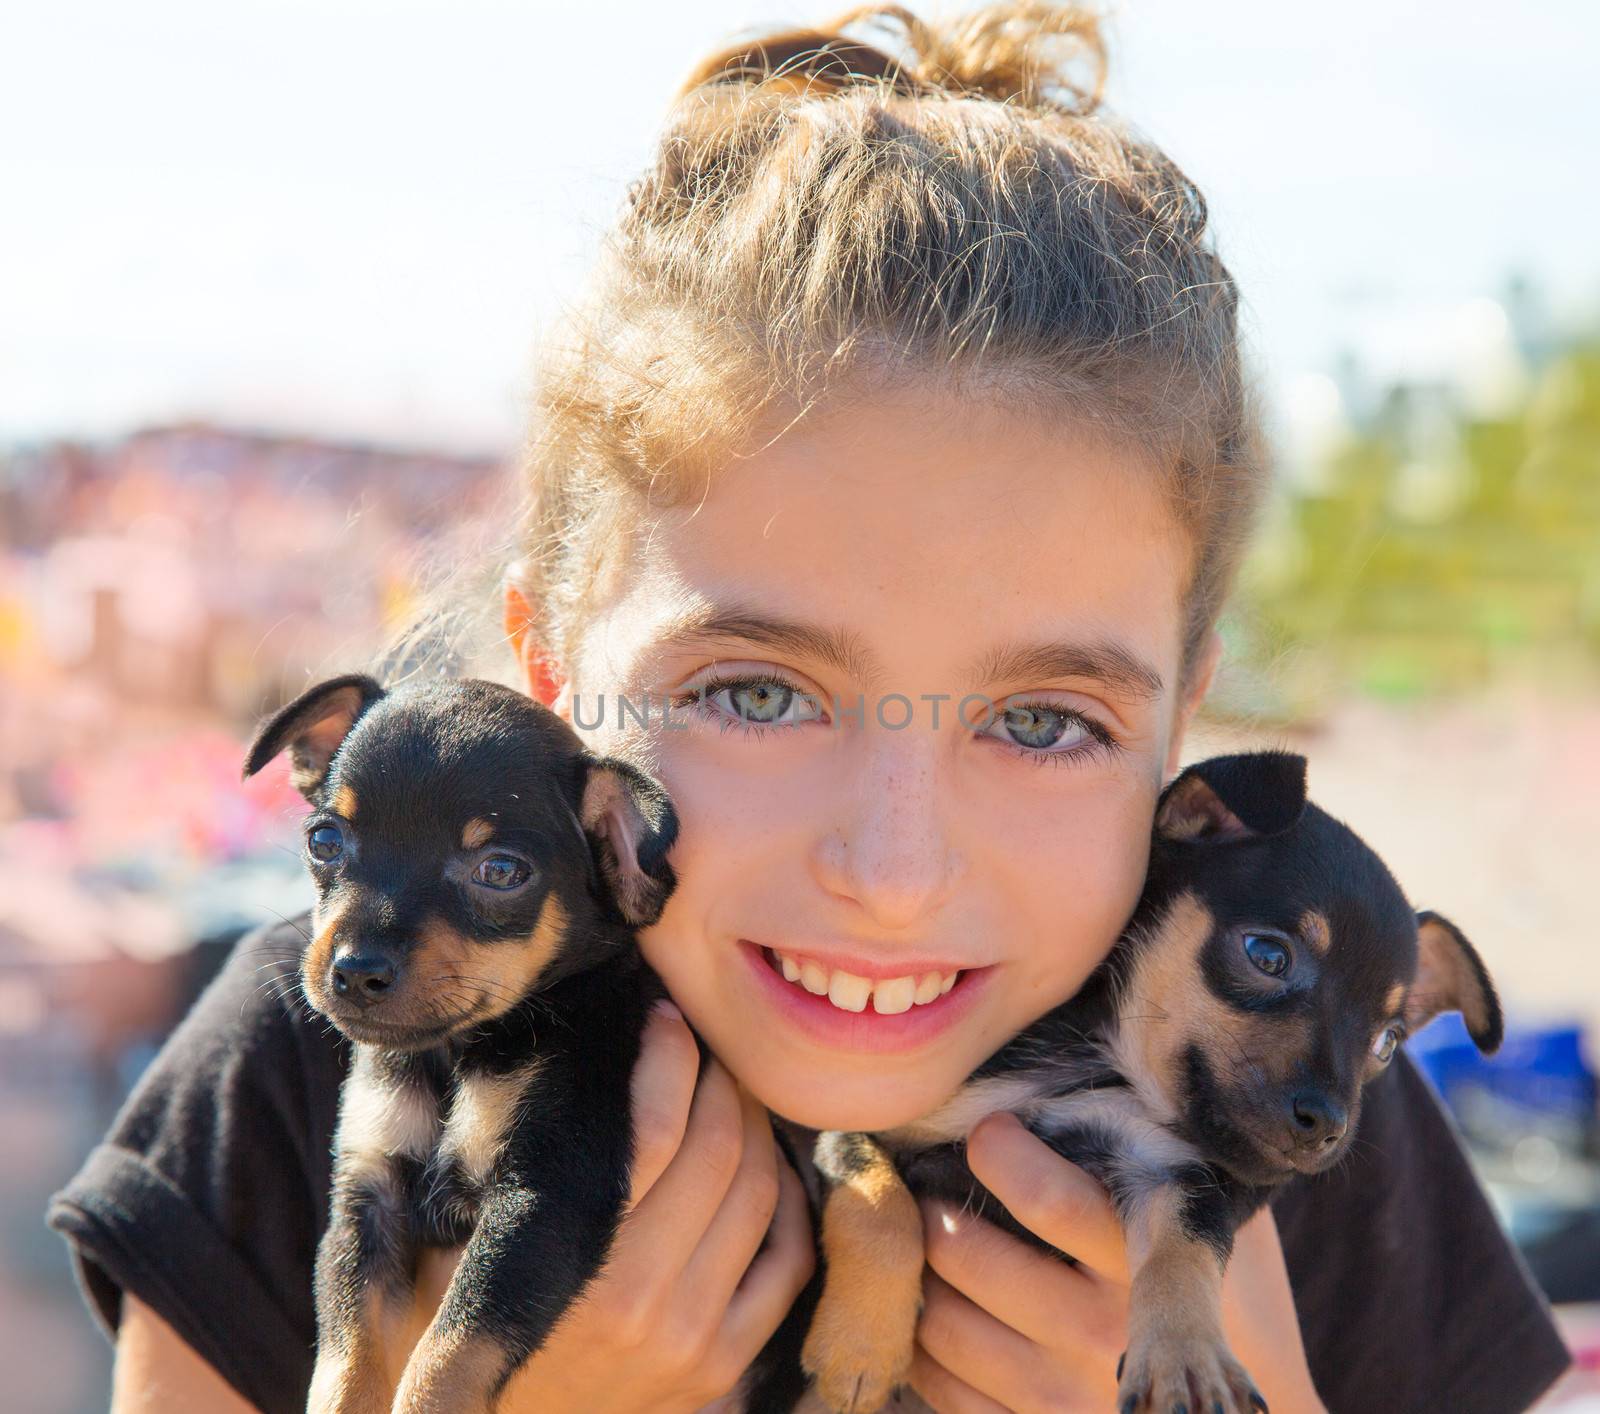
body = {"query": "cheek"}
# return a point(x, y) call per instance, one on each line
point(731, 818)
point(733, 830)
point(1076, 876)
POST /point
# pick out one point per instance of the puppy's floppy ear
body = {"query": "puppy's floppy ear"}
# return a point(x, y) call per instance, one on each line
point(1234, 797)
point(312, 727)
point(1451, 977)
point(630, 821)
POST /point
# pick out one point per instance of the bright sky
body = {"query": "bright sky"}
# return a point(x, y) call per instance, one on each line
point(351, 216)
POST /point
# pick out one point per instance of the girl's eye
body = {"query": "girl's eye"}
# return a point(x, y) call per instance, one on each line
point(755, 701)
point(1388, 1039)
point(1267, 953)
point(502, 872)
point(1040, 727)
point(325, 843)
point(1047, 732)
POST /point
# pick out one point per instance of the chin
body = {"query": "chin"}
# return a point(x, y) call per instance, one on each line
point(1258, 1160)
point(1230, 1142)
point(868, 1106)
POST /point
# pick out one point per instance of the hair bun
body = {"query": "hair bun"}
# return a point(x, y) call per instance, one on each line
point(1028, 52)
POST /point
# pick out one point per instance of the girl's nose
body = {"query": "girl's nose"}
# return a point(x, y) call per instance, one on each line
point(888, 848)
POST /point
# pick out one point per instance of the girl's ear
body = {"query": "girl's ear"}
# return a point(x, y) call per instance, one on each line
point(544, 683)
point(313, 726)
point(1234, 797)
point(1451, 977)
point(628, 817)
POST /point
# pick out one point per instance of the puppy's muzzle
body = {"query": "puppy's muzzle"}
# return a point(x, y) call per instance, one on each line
point(365, 978)
point(1316, 1122)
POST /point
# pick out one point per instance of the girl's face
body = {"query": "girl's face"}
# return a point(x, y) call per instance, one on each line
point(904, 564)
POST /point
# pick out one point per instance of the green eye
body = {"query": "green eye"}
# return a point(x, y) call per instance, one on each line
point(1037, 725)
point(761, 701)
point(1267, 953)
point(502, 872)
point(1042, 731)
point(325, 843)
point(1388, 1040)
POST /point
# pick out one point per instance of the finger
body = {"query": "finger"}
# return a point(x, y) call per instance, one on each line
point(672, 1217)
point(777, 1274)
point(987, 1354)
point(1052, 1198)
point(1033, 1292)
point(735, 1233)
point(944, 1393)
point(663, 1090)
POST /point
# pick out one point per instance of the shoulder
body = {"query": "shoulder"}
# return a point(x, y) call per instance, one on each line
point(207, 1194)
point(1410, 1294)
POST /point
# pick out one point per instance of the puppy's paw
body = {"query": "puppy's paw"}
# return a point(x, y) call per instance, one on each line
point(1171, 1375)
point(856, 1358)
point(343, 1386)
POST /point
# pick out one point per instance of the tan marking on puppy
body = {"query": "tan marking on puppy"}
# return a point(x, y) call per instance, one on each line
point(1177, 1353)
point(1315, 930)
point(1168, 1007)
point(1395, 1000)
point(863, 1333)
point(344, 802)
point(482, 1113)
point(354, 1373)
point(450, 1371)
point(1445, 981)
point(379, 1119)
point(1192, 809)
point(318, 954)
point(476, 833)
point(485, 979)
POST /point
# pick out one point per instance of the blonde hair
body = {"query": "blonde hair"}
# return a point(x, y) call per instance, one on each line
point(959, 207)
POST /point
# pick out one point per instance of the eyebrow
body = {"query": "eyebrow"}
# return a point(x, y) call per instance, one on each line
point(1107, 661)
point(838, 648)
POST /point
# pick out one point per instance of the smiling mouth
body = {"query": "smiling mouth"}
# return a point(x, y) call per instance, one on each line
point(846, 991)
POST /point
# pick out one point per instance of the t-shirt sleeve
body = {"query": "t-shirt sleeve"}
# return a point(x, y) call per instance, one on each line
point(208, 1195)
point(1410, 1295)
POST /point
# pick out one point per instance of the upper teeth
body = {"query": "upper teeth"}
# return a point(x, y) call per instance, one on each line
point(848, 992)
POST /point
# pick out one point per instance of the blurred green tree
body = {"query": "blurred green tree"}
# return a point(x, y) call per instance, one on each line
point(1434, 551)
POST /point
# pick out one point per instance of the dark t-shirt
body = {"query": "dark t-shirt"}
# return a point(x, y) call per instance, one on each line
point(207, 1198)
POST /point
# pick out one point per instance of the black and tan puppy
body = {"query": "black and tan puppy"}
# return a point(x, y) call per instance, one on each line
point(1269, 972)
point(479, 877)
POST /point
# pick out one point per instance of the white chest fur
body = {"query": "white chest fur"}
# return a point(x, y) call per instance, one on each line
point(1057, 1096)
point(380, 1119)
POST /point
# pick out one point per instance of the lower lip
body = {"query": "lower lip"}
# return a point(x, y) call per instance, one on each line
point(864, 1031)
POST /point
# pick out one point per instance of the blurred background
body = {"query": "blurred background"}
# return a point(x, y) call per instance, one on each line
point(270, 280)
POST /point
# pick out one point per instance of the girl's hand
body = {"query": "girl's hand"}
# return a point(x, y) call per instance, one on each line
point(1007, 1327)
point(683, 1304)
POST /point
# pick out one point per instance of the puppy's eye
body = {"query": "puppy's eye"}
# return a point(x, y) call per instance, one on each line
point(1388, 1039)
point(325, 843)
point(1267, 953)
point(501, 871)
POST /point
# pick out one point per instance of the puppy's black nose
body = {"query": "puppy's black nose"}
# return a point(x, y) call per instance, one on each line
point(1319, 1121)
point(364, 978)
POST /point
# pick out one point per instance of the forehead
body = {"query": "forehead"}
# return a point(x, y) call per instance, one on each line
point(437, 763)
point(923, 531)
